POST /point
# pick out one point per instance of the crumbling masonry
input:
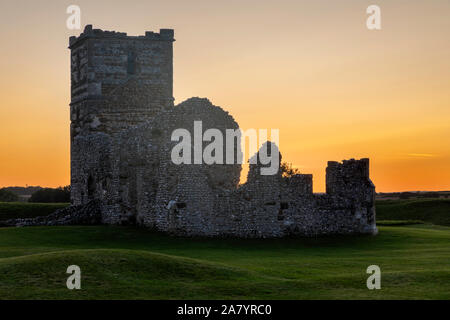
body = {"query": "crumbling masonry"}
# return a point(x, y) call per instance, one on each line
point(122, 116)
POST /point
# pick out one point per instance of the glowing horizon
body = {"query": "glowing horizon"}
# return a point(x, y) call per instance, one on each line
point(334, 89)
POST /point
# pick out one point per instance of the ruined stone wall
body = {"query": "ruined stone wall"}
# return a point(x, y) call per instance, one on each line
point(186, 200)
point(145, 164)
point(90, 166)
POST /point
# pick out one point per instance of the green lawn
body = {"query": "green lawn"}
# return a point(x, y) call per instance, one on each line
point(129, 263)
point(135, 263)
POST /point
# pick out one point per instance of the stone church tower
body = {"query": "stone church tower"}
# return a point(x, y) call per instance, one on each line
point(117, 81)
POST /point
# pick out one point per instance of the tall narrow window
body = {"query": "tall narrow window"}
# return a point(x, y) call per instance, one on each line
point(131, 63)
point(78, 67)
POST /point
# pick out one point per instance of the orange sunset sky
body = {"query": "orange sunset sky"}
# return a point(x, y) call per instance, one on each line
point(312, 69)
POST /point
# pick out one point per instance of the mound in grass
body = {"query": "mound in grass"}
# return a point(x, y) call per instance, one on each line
point(111, 274)
point(130, 263)
point(435, 211)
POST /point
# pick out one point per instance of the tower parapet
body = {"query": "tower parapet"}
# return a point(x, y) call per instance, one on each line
point(89, 32)
point(102, 60)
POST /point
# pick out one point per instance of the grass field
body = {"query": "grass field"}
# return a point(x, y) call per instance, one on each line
point(130, 263)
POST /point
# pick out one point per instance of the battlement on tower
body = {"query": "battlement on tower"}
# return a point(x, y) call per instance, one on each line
point(89, 32)
point(103, 61)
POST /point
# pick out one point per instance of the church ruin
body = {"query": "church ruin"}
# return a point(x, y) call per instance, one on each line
point(122, 115)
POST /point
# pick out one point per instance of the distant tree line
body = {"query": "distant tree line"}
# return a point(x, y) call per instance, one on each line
point(50, 195)
point(408, 195)
point(38, 194)
point(23, 191)
point(8, 196)
point(416, 195)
